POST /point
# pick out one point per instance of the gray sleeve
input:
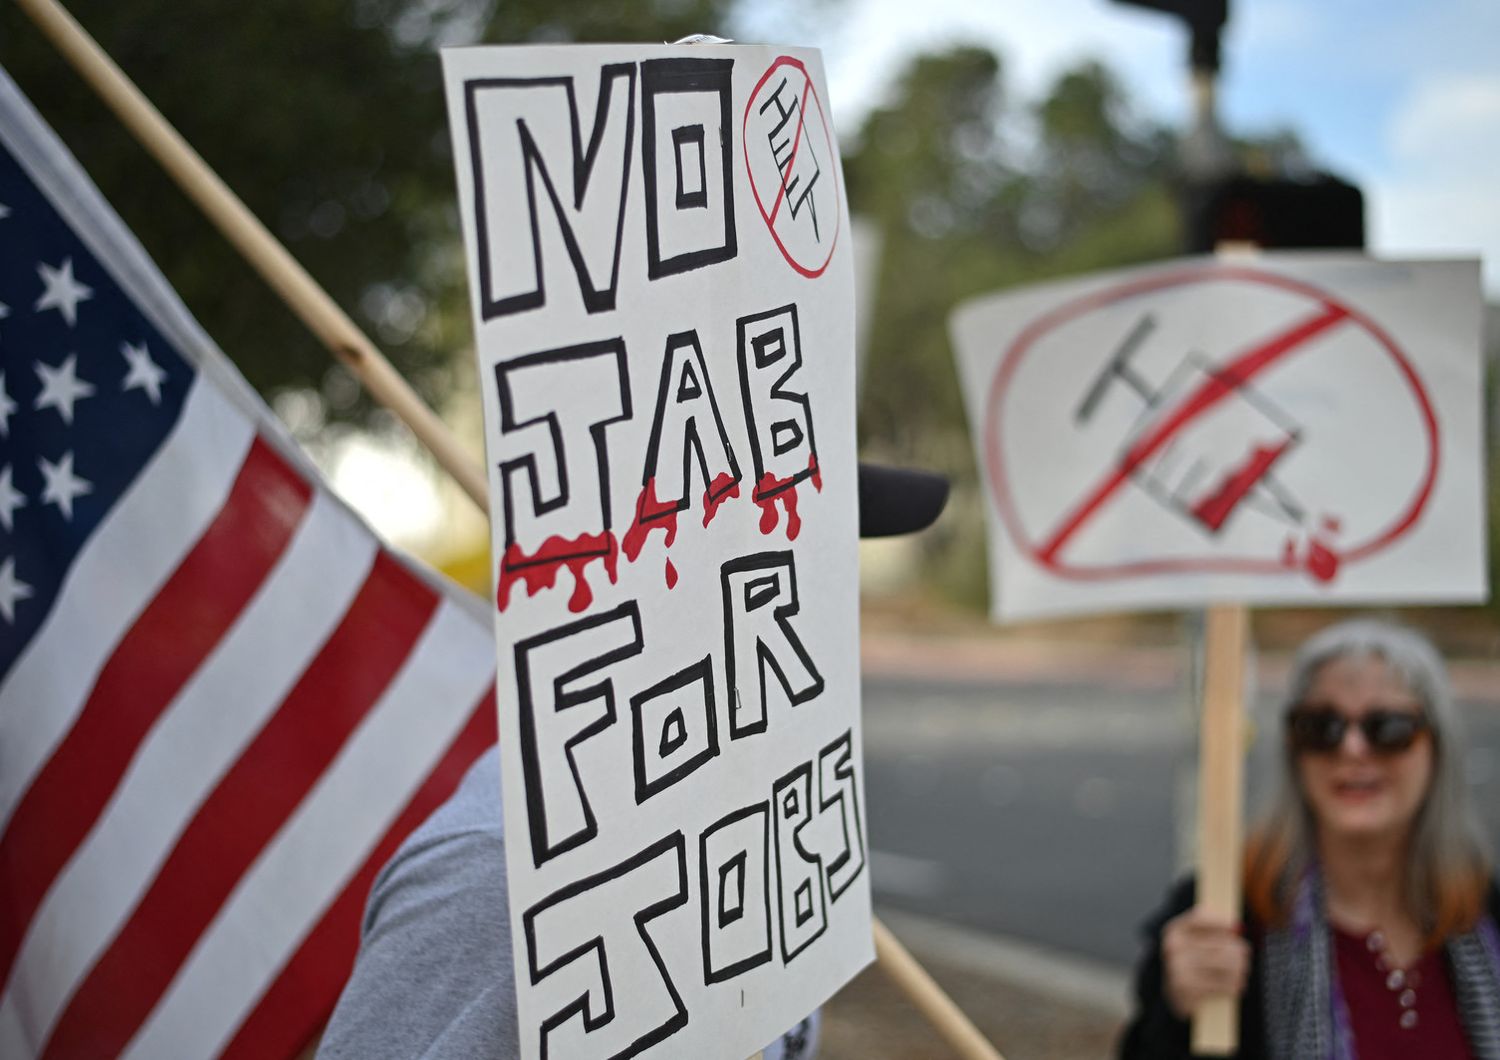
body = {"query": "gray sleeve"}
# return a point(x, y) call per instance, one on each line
point(434, 976)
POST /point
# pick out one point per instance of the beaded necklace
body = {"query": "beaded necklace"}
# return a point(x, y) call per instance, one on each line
point(1397, 980)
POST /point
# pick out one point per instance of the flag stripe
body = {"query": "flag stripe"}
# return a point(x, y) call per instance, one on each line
point(322, 844)
point(196, 741)
point(132, 553)
point(220, 832)
point(154, 659)
point(247, 808)
point(301, 998)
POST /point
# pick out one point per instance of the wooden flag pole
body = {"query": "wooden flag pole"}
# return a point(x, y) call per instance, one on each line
point(956, 1028)
point(1221, 764)
point(350, 345)
point(265, 253)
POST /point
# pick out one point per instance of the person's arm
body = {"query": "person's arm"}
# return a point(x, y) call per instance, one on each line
point(1155, 1032)
point(434, 975)
point(1187, 957)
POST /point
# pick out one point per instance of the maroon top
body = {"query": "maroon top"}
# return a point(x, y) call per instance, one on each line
point(1375, 997)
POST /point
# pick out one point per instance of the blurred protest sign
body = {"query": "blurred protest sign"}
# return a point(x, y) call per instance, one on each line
point(1289, 428)
point(659, 269)
point(1282, 428)
point(222, 703)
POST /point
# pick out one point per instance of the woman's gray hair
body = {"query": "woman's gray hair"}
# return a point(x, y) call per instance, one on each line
point(1445, 837)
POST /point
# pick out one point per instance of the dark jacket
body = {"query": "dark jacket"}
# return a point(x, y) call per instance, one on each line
point(1155, 1033)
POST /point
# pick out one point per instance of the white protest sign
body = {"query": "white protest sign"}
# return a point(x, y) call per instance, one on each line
point(660, 270)
point(1286, 428)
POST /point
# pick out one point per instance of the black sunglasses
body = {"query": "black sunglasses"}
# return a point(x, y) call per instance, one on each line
point(1322, 729)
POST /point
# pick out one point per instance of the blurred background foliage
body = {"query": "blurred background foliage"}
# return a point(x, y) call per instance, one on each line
point(327, 118)
point(971, 191)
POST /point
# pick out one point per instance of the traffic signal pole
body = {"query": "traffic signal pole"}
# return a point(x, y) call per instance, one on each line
point(1222, 632)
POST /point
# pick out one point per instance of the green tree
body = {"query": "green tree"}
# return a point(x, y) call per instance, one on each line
point(973, 192)
point(962, 211)
point(327, 118)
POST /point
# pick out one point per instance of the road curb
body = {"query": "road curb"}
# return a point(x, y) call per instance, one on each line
point(973, 658)
point(1080, 981)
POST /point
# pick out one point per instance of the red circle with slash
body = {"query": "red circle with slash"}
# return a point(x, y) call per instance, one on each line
point(777, 215)
point(1046, 552)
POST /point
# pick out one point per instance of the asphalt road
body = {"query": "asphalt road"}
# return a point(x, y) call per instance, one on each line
point(1050, 811)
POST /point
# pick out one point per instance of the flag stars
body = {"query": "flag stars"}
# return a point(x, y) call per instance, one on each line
point(145, 374)
point(61, 387)
point(7, 409)
point(63, 292)
point(12, 589)
point(63, 486)
point(10, 499)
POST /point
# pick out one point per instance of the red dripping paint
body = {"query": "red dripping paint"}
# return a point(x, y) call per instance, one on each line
point(1319, 560)
point(1214, 509)
point(537, 576)
point(723, 487)
point(817, 472)
point(793, 520)
point(538, 570)
point(671, 575)
point(582, 594)
point(650, 514)
point(767, 516)
point(1332, 524)
point(1322, 562)
point(786, 496)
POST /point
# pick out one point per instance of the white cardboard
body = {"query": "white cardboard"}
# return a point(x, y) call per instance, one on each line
point(668, 385)
point(1291, 428)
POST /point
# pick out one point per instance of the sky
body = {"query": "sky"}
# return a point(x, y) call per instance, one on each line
point(1401, 97)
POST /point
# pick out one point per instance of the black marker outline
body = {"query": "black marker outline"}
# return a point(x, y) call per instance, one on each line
point(564, 698)
point(690, 200)
point(781, 614)
point(595, 299)
point(660, 76)
point(843, 768)
point(800, 774)
point(750, 343)
point(700, 671)
point(526, 464)
point(693, 447)
point(596, 944)
point(711, 974)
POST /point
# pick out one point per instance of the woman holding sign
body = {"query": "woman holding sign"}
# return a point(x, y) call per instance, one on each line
point(1370, 926)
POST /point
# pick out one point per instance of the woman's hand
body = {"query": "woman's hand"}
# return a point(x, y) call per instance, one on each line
point(1204, 957)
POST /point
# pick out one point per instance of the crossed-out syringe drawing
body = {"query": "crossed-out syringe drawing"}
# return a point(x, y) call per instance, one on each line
point(1276, 432)
point(1206, 488)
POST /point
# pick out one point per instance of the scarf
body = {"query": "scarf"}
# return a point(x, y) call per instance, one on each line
point(1307, 1017)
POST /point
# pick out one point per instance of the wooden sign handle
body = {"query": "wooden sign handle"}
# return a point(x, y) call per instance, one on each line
point(946, 1017)
point(1221, 766)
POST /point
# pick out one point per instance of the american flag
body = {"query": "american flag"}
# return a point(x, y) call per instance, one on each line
point(222, 702)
